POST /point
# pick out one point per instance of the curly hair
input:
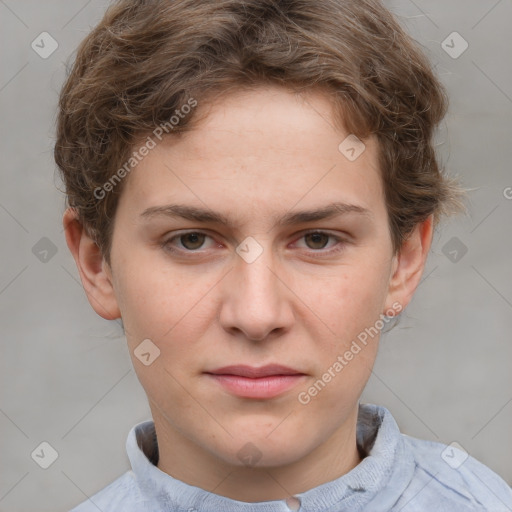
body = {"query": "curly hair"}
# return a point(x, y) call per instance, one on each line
point(147, 58)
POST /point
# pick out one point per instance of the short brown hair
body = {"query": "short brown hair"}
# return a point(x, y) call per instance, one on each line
point(148, 58)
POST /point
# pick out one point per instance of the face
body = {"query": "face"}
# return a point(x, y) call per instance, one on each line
point(253, 240)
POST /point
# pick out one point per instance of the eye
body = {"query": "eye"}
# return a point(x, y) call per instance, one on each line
point(190, 242)
point(318, 240)
point(196, 242)
point(193, 241)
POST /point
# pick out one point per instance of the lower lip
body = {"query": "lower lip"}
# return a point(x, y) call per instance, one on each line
point(262, 387)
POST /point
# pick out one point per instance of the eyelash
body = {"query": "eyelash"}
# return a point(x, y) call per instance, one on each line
point(316, 253)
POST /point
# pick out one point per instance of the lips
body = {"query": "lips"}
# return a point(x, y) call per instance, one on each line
point(261, 383)
point(254, 372)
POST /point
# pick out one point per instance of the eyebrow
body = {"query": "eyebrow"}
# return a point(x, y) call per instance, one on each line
point(205, 215)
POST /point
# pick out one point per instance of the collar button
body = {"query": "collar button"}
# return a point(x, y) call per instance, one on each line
point(293, 503)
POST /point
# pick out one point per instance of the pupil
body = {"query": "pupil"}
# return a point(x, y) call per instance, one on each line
point(193, 238)
point(316, 237)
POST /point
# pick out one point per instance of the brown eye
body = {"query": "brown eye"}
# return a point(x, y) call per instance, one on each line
point(317, 240)
point(191, 244)
point(322, 244)
point(192, 241)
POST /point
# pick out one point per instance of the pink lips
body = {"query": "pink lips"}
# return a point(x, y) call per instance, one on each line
point(251, 382)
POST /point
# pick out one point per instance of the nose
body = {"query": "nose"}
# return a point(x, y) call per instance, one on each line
point(256, 300)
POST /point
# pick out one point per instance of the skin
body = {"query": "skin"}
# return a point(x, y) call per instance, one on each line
point(256, 156)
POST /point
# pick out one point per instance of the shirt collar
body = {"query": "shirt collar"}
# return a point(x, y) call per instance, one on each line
point(378, 437)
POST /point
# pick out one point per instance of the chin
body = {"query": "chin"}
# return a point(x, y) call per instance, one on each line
point(260, 451)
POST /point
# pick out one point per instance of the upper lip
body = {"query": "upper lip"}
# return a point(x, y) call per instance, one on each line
point(243, 370)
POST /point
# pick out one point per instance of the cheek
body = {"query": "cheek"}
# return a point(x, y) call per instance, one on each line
point(350, 304)
point(349, 298)
point(163, 304)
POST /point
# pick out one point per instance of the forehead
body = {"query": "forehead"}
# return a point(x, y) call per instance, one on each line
point(267, 117)
point(261, 150)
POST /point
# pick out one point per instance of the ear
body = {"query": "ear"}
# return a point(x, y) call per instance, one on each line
point(95, 273)
point(409, 264)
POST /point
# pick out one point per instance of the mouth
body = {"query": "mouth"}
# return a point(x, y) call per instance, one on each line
point(251, 382)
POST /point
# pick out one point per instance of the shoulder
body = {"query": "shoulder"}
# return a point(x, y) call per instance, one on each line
point(449, 477)
point(122, 495)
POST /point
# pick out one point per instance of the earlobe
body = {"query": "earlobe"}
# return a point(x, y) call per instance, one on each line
point(409, 264)
point(92, 268)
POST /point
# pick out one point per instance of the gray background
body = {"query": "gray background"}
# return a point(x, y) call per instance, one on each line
point(67, 379)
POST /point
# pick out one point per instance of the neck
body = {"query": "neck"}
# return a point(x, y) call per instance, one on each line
point(186, 461)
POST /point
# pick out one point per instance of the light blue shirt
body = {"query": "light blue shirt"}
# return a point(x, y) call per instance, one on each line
point(399, 473)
